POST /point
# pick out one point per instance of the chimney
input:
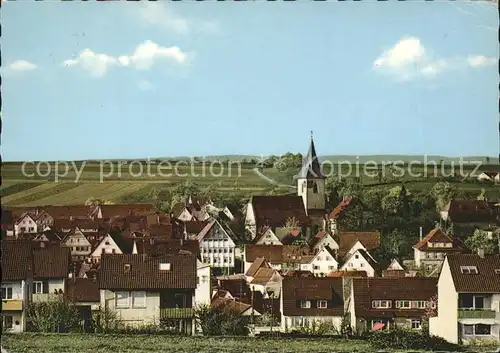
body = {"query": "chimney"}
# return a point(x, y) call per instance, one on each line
point(480, 252)
point(420, 233)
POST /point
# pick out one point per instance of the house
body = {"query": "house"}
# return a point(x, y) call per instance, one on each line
point(321, 240)
point(16, 284)
point(311, 187)
point(400, 302)
point(26, 224)
point(112, 243)
point(395, 266)
point(203, 292)
point(395, 269)
point(305, 301)
point(468, 299)
point(267, 237)
point(145, 290)
point(467, 215)
point(275, 212)
point(84, 294)
point(49, 236)
point(228, 305)
point(361, 260)
point(321, 263)
point(349, 242)
point(266, 281)
point(51, 269)
point(279, 257)
point(430, 251)
point(80, 245)
point(489, 176)
point(194, 209)
point(217, 246)
point(109, 211)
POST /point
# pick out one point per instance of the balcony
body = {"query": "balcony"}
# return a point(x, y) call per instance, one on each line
point(176, 313)
point(10, 305)
point(476, 314)
point(45, 297)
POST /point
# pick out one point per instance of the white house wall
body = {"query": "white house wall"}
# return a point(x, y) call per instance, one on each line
point(203, 292)
point(108, 249)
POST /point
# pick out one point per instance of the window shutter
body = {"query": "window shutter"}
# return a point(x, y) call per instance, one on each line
point(45, 288)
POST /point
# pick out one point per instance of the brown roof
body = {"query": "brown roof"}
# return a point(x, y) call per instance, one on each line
point(485, 281)
point(82, 223)
point(83, 290)
point(298, 273)
point(256, 265)
point(469, 211)
point(263, 275)
point(334, 274)
point(438, 236)
point(161, 246)
point(313, 289)
point(51, 262)
point(16, 259)
point(276, 253)
point(370, 240)
point(230, 305)
point(275, 211)
point(194, 227)
point(143, 272)
point(410, 288)
point(67, 211)
point(123, 210)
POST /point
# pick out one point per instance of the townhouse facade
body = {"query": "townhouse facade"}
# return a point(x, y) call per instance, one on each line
point(468, 299)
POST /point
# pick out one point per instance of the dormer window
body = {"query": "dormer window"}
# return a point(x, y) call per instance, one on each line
point(126, 267)
point(497, 271)
point(468, 270)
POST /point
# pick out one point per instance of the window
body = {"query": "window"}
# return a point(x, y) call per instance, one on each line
point(106, 243)
point(468, 270)
point(37, 287)
point(381, 304)
point(315, 188)
point(497, 271)
point(122, 299)
point(403, 304)
point(322, 304)
point(7, 322)
point(416, 324)
point(305, 304)
point(331, 268)
point(476, 330)
point(418, 304)
point(139, 299)
point(356, 256)
point(316, 267)
point(6, 293)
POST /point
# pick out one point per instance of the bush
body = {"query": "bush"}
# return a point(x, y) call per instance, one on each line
point(54, 316)
point(216, 322)
point(409, 339)
point(105, 321)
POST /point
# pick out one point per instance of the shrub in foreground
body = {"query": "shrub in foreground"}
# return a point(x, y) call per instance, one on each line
point(409, 339)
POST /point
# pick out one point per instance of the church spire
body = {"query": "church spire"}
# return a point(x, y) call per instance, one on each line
point(311, 167)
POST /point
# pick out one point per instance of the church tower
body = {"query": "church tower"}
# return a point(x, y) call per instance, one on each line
point(311, 182)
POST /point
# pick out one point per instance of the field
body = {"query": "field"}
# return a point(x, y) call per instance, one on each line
point(75, 182)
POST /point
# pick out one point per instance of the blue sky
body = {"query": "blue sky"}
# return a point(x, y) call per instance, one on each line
point(135, 80)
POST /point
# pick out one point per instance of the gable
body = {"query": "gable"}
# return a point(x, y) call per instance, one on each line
point(353, 260)
point(215, 231)
point(76, 238)
point(323, 255)
point(108, 247)
point(26, 219)
point(268, 237)
point(327, 240)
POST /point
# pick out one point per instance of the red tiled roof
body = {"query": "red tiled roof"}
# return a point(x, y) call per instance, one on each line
point(123, 210)
point(154, 246)
point(438, 236)
point(337, 211)
point(230, 305)
point(275, 211)
point(256, 265)
point(485, 281)
point(334, 274)
point(263, 275)
point(144, 272)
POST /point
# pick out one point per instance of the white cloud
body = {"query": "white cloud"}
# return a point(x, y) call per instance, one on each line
point(480, 60)
point(409, 59)
point(163, 16)
point(21, 66)
point(145, 85)
point(143, 58)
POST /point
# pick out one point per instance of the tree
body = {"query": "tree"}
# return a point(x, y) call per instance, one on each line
point(481, 240)
point(94, 201)
point(57, 315)
point(443, 192)
point(482, 195)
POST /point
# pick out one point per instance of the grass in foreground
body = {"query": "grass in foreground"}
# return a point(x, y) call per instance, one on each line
point(95, 343)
